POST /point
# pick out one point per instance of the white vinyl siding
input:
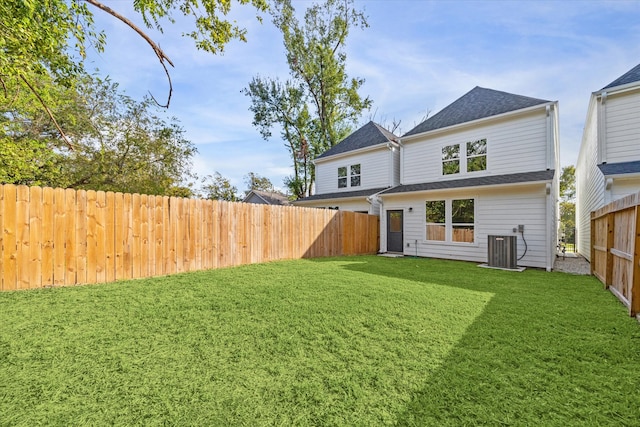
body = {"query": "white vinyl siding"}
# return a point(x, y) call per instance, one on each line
point(623, 127)
point(345, 205)
point(515, 145)
point(621, 133)
point(623, 187)
point(497, 212)
point(374, 171)
point(589, 181)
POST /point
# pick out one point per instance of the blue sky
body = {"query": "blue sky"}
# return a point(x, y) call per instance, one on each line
point(416, 57)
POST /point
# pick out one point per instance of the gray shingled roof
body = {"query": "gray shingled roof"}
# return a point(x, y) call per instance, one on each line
point(270, 197)
point(475, 104)
point(633, 75)
point(342, 195)
point(620, 168)
point(546, 175)
point(367, 136)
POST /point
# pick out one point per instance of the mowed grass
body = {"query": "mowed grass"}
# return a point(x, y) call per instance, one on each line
point(357, 341)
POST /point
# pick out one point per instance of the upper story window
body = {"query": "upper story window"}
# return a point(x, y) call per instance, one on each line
point(352, 179)
point(451, 159)
point(355, 175)
point(342, 177)
point(477, 155)
point(475, 159)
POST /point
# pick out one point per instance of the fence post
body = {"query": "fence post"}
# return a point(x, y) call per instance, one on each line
point(634, 295)
point(592, 264)
point(611, 223)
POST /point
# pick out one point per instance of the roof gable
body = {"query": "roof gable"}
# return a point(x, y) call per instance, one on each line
point(367, 136)
point(476, 104)
point(631, 76)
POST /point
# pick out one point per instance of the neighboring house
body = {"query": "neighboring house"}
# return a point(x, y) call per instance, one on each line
point(266, 198)
point(482, 166)
point(608, 165)
point(351, 172)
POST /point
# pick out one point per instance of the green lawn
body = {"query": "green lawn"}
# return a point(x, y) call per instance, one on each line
point(357, 341)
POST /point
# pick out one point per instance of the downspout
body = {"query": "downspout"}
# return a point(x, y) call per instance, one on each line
point(549, 137)
point(602, 129)
point(550, 220)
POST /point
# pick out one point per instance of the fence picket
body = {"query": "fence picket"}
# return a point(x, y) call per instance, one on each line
point(22, 237)
point(65, 237)
point(81, 236)
point(35, 237)
point(47, 236)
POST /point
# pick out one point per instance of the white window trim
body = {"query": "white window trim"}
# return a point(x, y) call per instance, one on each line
point(448, 223)
point(348, 176)
point(463, 159)
point(467, 157)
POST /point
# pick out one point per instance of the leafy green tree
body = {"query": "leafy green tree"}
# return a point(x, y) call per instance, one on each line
point(567, 202)
point(49, 38)
point(129, 147)
point(568, 183)
point(316, 108)
point(30, 146)
point(257, 182)
point(217, 187)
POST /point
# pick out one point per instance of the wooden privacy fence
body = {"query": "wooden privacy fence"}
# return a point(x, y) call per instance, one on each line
point(56, 237)
point(615, 249)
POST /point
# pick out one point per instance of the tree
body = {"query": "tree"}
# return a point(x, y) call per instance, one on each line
point(130, 147)
point(568, 183)
point(316, 108)
point(567, 202)
point(30, 147)
point(49, 38)
point(217, 187)
point(119, 144)
point(257, 182)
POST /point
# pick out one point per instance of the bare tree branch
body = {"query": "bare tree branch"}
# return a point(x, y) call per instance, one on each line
point(4, 87)
point(159, 52)
point(48, 110)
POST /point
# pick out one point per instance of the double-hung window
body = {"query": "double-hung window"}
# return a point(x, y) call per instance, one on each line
point(342, 177)
point(462, 220)
point(355, 175)
point(451, 159)
point(350, 180)
point(436, 220)
point(472, 159)
point(477, 155)
point(450, 220)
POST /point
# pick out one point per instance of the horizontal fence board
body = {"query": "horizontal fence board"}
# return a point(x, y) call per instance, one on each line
point(62, 237)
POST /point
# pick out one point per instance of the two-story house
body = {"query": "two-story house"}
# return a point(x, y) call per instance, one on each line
point(351, 172)
point(484, 165)
point(608, 166)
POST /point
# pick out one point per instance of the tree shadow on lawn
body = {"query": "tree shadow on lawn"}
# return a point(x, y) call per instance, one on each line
point(548, 349)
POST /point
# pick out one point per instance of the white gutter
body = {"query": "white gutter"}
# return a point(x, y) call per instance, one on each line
point(475, 187)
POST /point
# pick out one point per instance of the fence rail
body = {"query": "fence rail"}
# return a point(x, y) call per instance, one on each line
point(615, 249)
point(58, 237)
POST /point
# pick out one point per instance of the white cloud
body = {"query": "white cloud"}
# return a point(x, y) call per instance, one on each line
point(415, 56)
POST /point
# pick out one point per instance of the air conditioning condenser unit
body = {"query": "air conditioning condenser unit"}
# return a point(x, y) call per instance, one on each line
point(503, 252)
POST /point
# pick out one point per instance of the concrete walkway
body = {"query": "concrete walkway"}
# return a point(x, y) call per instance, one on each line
point(572, 263)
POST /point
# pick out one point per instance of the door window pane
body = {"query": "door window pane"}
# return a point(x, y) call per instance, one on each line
point(395, 222)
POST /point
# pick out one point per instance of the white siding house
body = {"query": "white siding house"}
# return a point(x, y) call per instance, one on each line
point(482, 166)
point(361, 165)
point(608, 166)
